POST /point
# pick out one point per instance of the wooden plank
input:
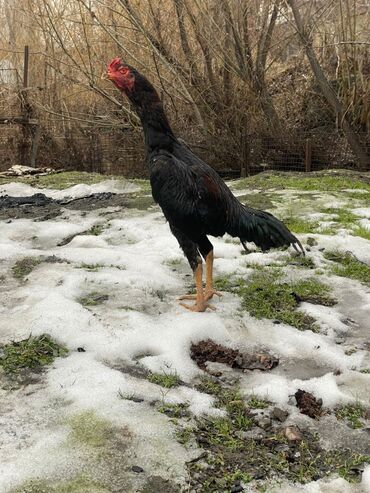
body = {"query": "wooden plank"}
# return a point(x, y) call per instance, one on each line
point(17, 120)
point(35, 145)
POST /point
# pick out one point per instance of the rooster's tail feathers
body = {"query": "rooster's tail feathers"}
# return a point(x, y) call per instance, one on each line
point(263, 229)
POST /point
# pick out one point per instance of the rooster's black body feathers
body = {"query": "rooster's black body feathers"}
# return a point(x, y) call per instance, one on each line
point(194, 199)
point(197, 202)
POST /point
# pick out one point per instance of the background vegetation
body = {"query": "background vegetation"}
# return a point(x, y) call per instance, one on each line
point(230, 72)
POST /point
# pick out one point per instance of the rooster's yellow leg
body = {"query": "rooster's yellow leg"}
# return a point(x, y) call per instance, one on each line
point(209, 291)
point(200, 305)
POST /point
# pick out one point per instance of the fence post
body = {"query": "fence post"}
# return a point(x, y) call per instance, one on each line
point(30, 133)
point(25, 66)
point(35, 145)
point(308, 155)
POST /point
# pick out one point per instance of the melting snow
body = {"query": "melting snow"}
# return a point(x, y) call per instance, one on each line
point(138, 266)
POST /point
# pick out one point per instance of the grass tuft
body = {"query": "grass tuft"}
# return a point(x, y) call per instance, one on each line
point(301, 182)
point(361, 231)
point(24, 267)
point(166, 380)
point(301, 225)
point(174, 410)
point(33, 352)
point(352, 414)
point(93, 299)
point(256, 403)
point(342, 216)
point(349, 266)
point(91, 267)
point(264, 295)
point(95, 230)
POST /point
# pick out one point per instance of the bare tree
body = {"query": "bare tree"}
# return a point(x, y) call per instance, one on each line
point(327, 90)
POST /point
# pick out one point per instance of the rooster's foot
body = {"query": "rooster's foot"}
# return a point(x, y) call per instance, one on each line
point(187, 297)
point(198, 307)
point(209, 293)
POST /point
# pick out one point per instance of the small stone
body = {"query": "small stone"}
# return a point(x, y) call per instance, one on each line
point(279, 414)
point(283, 448)
point(81, 350)
point(137, 469)
point(311, 241)
point(264, 422)
point(229, 379)
point(254, 434)
point(236, 488)
point(293, 434)
point(136, 399)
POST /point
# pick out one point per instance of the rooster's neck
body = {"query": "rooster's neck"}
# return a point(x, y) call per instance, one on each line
point(157, 130)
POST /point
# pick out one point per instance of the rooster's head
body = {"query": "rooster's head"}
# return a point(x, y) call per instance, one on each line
point(122, 75)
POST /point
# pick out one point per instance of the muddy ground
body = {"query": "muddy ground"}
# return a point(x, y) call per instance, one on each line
point(144, 397)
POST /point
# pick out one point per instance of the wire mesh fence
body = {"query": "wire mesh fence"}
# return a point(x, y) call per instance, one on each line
point(122, 151)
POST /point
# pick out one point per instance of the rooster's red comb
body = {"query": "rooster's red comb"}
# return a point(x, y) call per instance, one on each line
point(114, 64)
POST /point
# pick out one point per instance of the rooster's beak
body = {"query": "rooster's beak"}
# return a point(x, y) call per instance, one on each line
point(105, 76)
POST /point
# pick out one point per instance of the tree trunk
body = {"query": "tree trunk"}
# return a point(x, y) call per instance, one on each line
point(328, 92)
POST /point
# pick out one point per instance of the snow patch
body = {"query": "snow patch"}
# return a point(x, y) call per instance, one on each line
point(15, 189)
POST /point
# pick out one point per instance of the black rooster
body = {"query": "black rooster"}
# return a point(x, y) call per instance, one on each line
point(194, 199)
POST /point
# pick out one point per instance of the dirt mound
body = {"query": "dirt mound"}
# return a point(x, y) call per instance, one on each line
point(209, 350)
point(308, 404)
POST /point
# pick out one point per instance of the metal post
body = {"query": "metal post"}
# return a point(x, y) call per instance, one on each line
point(308, 155)
point(25, 66)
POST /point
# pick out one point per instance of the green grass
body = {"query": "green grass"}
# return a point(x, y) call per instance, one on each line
point(209, 386)
point(256, 403)
point(166, 380)
point(301, 182)
point(305, 262)
point(143, 184)
point(184, 435)
point(347, 265)
point(91, 267)
point(313, 291)
point(265, 295)
point(361, 196)
point(352, 414)
point(93, 299)
point(301, 225)
point(232, 455)
point(129, 396)
point(361, 231)
point(91, 430)
point(33, 352)
point(79, 484)
point(24, 267)
point(343, 216)
point(95, 230)
point(174, 410)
